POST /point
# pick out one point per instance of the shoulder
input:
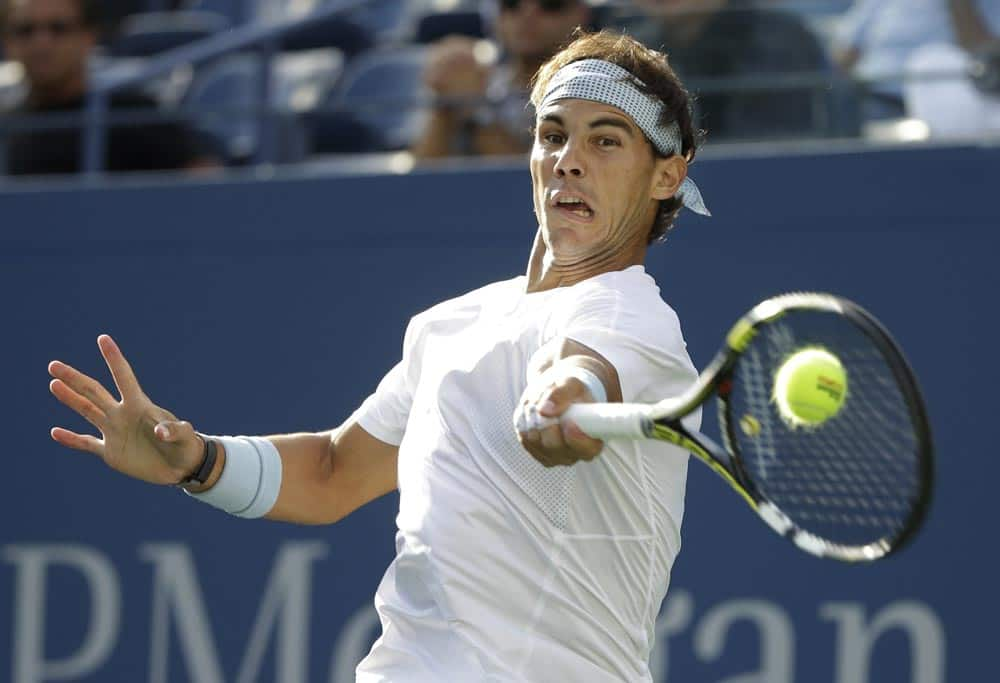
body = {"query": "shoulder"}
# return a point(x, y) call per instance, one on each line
point(478, 297)
point(626, 302)
point(632, 289)
point(623, 318)
point(468, 305)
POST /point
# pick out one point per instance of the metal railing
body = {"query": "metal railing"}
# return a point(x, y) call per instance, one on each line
point(265, 39)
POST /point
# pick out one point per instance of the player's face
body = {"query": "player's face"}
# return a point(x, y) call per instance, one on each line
point(597, 184)
point(49, 39)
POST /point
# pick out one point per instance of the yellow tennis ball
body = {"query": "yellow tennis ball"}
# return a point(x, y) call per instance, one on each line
point(810, 387)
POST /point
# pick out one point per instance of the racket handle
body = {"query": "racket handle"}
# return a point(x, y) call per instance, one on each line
point(611, 420)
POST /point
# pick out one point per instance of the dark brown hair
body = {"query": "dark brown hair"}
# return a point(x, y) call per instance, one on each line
point(658, 80)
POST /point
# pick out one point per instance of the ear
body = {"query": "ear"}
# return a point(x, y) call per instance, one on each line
point(668, 174)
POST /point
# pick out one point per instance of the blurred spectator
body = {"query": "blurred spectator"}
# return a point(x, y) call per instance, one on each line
point(742, 49)
point(878, 37)
point(53, 40)
point(114, 12)
point(482, 103)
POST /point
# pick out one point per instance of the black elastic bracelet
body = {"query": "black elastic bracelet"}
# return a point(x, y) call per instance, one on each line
point(201, 475)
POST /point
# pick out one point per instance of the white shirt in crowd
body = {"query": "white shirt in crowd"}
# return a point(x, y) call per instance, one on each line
point(506, 570)
point(887, 32)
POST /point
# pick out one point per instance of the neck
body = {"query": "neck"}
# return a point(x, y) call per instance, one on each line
point(545, 272)
point(55, 93)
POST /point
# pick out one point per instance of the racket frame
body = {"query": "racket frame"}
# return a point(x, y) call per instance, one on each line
point(663, 422)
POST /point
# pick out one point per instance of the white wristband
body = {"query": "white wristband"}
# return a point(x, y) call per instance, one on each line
point(590, 380)
point(250, 480)
point(527, 418)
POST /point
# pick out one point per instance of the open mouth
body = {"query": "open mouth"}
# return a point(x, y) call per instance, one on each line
point(574, 206)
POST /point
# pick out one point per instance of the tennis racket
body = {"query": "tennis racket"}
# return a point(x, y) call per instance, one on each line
point(853, 488)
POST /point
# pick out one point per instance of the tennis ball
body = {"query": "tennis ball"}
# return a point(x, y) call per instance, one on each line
point(809, 387)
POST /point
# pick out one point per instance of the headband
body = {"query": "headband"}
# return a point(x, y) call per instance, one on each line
point(601, 81)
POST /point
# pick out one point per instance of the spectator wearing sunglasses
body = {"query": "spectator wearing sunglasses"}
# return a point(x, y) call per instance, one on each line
point(53, 41)
point(728, 51)
point(481, 90)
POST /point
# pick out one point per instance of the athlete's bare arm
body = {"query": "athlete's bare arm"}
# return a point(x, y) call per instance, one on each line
point(325, 476)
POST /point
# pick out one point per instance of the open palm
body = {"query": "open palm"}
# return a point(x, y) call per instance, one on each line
point(138, 438)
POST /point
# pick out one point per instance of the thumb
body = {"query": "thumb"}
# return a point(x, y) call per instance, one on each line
point(172, 431)
point(560, 398)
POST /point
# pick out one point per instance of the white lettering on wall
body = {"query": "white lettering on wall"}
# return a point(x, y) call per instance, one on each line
point(32, 562)
point(284, 611)
point(856, 638)
point(282, 625)
point(777, 639)
point(675, 617)
point(353, 644)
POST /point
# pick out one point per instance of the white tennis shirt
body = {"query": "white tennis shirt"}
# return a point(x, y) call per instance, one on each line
point(506, 570)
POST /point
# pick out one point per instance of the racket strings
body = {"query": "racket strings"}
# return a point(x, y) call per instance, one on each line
point(852, 480)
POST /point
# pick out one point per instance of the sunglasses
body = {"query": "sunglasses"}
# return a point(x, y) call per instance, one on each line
point(56, 28)
point(547, 6)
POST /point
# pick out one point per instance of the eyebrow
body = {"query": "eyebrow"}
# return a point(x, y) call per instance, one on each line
point(596, 123)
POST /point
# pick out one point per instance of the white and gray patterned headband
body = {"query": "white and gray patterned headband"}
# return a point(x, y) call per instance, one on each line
point(601, 81)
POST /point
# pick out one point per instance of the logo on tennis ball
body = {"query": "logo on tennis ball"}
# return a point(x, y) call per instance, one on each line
point(809, 387)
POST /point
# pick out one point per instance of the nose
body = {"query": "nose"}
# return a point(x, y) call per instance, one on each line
point(569, 161)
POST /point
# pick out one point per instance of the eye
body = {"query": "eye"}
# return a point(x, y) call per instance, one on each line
point(553, 138)
point(605, 141)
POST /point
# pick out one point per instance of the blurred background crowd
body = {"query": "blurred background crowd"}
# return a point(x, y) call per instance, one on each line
point(200, 85)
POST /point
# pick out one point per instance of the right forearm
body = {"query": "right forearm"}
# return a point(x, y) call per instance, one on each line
point(439, 134)
point(971, 30)
point(305, 471)
point(307, 480)
point(323, 476)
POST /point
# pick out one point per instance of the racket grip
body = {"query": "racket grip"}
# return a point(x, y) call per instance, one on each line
point(611, 420)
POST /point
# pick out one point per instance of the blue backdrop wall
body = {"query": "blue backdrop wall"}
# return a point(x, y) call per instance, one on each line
point(262, 306)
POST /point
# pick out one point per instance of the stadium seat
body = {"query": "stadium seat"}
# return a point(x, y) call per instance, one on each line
point(338, 32)
point(302, 79)
point(378, 100)
point(144, 35)
point(167, 90)
point(222, 101)
point(383, 19)
point(234, 10)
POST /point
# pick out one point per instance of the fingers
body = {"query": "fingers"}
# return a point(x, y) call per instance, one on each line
point(562, 396)
point(121, 371)
point(78, 403)
point(579, 441)
point(553, 443)
point(560, 445)
point(548, 440)
point(83, 385)
point(80, 442)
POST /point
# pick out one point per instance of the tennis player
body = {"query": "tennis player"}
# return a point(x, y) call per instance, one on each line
point(526, 551)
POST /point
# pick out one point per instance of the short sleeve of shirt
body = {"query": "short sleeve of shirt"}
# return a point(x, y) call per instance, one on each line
point(635, 331)
point(384, 413)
